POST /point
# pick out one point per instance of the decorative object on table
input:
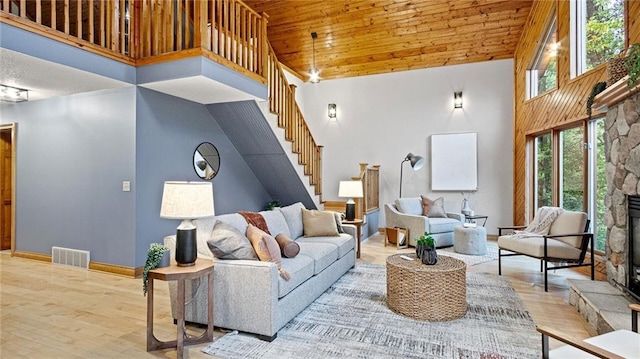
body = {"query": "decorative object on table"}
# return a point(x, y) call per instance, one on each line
point(206, 161)
point(465, 209)
point(597, 88)
point(416, 163)
point(157, 257)
point(272, 205)
point(397, 236)
point(632, 65)
point(186, 201)
point(426, 249)
point(351, 190)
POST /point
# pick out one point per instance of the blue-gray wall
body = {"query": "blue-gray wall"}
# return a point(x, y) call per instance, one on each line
point(73, 152)
point(168, 131)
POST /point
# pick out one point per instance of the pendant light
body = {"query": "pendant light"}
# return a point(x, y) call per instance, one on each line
point(314, 74)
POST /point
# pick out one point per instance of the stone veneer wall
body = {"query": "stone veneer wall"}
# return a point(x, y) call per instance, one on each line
point(622, 151)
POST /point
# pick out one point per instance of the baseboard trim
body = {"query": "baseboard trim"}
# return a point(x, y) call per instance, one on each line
point(97, 266)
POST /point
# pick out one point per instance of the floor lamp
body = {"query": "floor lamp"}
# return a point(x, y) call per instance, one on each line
point(186, 201)
point(416, 163)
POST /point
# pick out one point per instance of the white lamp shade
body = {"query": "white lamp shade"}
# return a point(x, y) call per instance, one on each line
point(187, 200)
point(350, 189)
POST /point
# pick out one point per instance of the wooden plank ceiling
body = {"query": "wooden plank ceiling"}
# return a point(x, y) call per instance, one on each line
point(358, 38)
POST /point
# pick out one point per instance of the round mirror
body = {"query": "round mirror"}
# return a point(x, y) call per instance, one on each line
point(206, 161)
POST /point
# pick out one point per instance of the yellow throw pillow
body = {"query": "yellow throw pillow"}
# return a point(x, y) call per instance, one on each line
point(319, 223)
point(266, 248)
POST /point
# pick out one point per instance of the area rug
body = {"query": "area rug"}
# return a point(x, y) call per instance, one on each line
point(471, 260)
point(351, 320)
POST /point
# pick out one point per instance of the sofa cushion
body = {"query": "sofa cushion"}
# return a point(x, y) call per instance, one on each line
point(410, 205)
point(534, 246)
point(266, 248)
point(293, 216)
point(300, 268)
point(234, 219)
point(226, 242)
point(288, 247)
point(276, 222)
point(442, 225)
point(433, 208)
point(344, 242)
point(323, 254)
point(319, 223)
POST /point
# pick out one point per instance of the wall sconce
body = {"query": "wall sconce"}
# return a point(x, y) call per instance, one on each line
point(333, 111)
point(457, 99)
point(13, 94)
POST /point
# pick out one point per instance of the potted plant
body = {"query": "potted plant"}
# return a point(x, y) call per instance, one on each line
point(426, 249)
point(272, 205)
point(157, 256)
point(632, 63)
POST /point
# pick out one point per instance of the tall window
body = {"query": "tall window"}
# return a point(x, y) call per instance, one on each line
point(597, 182)
point(572, 169)
point(542, 74)
point(543, 171)
point(597, 33)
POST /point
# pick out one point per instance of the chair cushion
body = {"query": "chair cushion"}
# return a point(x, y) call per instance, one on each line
point(410, 205)
point(621, 342)
point(345, 242)
point(442, 225)
point(569, 222)
point(534, 247)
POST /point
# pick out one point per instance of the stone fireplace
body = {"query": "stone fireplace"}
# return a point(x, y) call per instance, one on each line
point(622, 149)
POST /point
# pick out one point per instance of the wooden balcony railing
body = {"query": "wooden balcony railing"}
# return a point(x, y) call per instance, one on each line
point(282, 102)
point(141, 32)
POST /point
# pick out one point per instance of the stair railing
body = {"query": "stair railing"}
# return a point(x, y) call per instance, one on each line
point(282, 103)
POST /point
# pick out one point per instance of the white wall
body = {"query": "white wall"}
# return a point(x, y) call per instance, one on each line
point(383, 117)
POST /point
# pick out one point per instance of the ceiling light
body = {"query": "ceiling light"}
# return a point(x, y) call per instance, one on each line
point(314, 74)
point(13, 94)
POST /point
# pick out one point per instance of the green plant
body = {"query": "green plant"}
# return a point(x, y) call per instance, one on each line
point(154, 255)
point(426, 240)
point(596, 89)
point(632, 64)
point(271, 205)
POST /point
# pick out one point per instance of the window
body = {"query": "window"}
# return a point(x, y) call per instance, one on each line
point(572, 169)
point(597, 33)
point(543, 171)
point(542, 74)
point(597, 182)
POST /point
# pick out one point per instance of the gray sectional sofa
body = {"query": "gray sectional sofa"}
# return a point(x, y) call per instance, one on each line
point(249, 295)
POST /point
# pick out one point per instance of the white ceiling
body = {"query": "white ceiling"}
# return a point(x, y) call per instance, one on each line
point(46, 79)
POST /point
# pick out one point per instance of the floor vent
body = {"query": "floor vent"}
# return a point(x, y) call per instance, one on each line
point(70, 257)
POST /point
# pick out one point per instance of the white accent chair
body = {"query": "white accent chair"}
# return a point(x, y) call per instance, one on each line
point(407, 213)
point(566, 242)
point(620, 343)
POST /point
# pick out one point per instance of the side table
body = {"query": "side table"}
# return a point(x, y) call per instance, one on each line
point(358, 223)
point(472, 219)
point(180, 274)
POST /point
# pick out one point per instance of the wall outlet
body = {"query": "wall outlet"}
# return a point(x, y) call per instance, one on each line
point(126, 186)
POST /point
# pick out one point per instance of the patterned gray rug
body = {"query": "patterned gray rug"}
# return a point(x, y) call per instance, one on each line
point(351, 320)
point(471, 260)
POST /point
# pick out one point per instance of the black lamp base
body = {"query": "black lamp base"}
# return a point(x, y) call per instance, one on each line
point(350, 214)
point(186, 247)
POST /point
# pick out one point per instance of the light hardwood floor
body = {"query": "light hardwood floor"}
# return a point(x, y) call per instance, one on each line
point(51, 311)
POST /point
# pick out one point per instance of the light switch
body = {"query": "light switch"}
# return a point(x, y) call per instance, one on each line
point(126, 186)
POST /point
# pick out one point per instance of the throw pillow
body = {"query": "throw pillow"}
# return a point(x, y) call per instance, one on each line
point(319, 223)
point(338, 216)
point(266, 248)
point(433, 208)
point(226, 242)
point(288, 247)
point(255, 219)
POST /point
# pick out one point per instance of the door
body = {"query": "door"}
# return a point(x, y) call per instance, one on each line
point(5, 187)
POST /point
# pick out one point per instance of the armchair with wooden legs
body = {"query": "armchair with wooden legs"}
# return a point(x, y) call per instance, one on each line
point(554, 236)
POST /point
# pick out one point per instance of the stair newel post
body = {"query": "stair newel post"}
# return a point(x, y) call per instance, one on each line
point(264, 48)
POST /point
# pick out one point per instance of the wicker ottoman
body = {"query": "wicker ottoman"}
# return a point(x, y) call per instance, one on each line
point(427, 292)
point(470, 240)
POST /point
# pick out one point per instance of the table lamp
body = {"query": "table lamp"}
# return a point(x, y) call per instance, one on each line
point(351, 190)
point(186, 201)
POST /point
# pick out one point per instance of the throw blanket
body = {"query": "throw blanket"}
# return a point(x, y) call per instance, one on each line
point(255, 219)
point(541, 222)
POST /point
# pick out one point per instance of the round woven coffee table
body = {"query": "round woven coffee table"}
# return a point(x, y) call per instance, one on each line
point(427, 292)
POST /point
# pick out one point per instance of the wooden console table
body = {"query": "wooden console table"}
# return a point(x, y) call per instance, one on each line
point(180, 274)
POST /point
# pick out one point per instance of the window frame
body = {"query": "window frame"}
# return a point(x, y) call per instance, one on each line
point(531, 75)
